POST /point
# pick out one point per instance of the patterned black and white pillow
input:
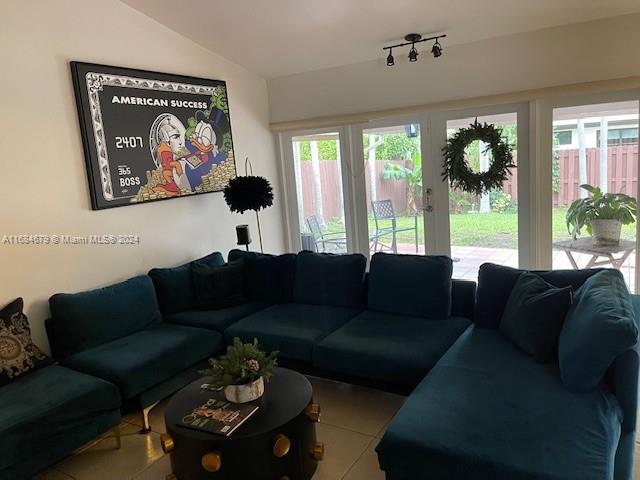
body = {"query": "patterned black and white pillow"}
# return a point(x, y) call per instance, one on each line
point(18, 353)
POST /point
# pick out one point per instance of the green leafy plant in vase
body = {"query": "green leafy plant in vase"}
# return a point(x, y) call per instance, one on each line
point(241, 371)
point(602, 214)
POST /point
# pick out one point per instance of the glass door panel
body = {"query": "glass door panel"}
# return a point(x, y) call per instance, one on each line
point(393, 177)
point(595, 145)
point(484, 228)
point(319, 193)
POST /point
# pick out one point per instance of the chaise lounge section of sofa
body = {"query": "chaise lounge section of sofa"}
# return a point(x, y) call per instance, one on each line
point(48, 413)
point(487, 410)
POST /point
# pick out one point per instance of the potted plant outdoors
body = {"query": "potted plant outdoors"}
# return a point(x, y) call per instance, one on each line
point(241, 371)
point(603, 215)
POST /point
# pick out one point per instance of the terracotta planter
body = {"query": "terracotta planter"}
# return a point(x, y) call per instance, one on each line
point(245, 393)
point(606, 232)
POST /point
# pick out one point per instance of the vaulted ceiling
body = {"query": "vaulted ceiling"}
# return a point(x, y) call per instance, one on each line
point(281, 37)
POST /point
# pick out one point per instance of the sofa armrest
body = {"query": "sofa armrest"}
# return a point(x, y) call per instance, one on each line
point(463, 298)
point(623, 380)
point(622, 377)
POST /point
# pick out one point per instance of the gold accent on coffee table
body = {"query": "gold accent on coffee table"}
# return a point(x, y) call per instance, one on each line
point(281, 446)
point(166, 442)
point(313, 412)
point(212, 461)
point(318, 451)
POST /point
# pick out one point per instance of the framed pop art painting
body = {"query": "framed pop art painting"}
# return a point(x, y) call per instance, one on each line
point(151, 136)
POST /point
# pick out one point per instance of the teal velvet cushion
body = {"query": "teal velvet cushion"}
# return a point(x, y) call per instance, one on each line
point(415, 285)
point(270, 278)
point(328, 279)
point(52, 407)
point(218, 319)
point(496, 281)
point(18, 354)
point(292, 329)
point(174, 286)
point(145, 359)
point(534, 315)
point(487, 411)
point(600, 327)
point(218, 286)
point(395, 349)
point(87, 319)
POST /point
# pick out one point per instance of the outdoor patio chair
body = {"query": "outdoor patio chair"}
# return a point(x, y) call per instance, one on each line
point(323, 240)
point(383, 212)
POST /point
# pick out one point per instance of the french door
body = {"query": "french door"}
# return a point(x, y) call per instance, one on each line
point(317, 191)
point(493, 227)
point(378, 187)
point(393, 186)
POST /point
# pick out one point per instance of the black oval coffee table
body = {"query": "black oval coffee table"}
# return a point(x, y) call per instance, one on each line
point(278, 442)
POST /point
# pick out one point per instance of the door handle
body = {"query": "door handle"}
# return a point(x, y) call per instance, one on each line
point(428, 206)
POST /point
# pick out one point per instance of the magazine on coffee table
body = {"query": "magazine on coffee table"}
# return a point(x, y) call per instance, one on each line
point(218, 416)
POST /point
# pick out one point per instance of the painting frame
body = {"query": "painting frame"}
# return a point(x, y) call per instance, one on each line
point(150, 136)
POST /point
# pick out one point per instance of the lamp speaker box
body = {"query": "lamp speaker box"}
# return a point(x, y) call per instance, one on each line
point(242, 232)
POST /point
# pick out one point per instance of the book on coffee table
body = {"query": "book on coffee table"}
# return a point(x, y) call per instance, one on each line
point(218, 416)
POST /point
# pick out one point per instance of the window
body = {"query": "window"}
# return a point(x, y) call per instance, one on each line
point(620, 136)
point(564, 137)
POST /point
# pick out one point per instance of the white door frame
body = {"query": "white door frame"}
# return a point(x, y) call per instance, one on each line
point(544, 147)
point(289, 190)
point(438, 136)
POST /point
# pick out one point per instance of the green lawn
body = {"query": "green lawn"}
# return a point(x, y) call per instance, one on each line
point(494, 230)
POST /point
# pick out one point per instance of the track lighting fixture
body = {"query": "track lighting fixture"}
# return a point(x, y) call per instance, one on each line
point(413, 54)
point(436, 50)
point(412, 39)
point(390, 61)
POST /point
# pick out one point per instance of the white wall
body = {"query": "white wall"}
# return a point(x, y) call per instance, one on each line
point(569, 54)
point(44, 186)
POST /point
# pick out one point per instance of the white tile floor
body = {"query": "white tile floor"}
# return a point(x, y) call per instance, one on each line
point(353, 419)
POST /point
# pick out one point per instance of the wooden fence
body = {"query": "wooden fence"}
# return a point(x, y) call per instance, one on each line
point(622, 172)
point(396, 190)
point(622, 177)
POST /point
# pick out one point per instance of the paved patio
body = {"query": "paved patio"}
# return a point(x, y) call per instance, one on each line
point(467, 260)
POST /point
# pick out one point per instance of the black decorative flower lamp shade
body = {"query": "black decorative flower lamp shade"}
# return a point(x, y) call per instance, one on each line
point(249, 192)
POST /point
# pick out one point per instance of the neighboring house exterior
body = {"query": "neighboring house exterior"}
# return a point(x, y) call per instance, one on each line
point(621, 130)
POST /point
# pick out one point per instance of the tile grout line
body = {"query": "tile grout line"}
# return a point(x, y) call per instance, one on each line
point(357, 459)
point(350, 430)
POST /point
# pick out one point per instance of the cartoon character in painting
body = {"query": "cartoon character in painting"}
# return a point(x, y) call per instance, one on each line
point(186, 155)
point(167, 143)
point(204, 143)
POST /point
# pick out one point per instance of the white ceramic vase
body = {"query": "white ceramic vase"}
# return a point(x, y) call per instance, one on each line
point(245, 393)
point(606, 232)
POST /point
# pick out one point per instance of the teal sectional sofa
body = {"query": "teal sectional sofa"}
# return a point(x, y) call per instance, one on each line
point(478, 407)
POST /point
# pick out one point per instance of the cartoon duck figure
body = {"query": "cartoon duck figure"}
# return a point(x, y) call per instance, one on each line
point(204, 143)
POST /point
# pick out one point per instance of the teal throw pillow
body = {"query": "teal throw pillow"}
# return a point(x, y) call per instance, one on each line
point(600, 326)
point(534, 314)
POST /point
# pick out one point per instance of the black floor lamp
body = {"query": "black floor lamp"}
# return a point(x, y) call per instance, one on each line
point(249, 192)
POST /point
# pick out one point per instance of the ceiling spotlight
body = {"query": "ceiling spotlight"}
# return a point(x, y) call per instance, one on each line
point(413, 54)
point(412, 39)
point(436, 50)
point(390, 62)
